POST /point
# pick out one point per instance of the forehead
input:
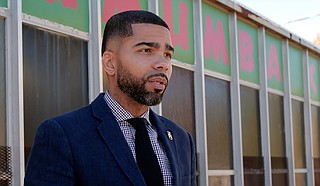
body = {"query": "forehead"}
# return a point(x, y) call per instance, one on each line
point(151, 32)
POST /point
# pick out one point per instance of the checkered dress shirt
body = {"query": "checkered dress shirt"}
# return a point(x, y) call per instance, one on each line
point(128, 131)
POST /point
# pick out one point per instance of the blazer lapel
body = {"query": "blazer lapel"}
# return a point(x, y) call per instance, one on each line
point(169, 143)
point(111, 133)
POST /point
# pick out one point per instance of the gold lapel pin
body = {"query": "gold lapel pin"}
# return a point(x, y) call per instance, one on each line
point(170, 135)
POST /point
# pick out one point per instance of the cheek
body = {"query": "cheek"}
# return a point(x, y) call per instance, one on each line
point(131, 68)
point(169, 73)
point(132, 60)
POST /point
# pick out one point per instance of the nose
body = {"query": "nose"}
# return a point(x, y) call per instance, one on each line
point(162, 64)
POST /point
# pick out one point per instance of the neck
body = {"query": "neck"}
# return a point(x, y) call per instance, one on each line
point(132, 106)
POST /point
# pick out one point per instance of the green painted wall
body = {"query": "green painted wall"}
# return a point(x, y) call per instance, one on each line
point(314, 77)
point(248, 52)
point(66, 12)
point(216, 39)
point(3, 3)
point(179, 16)
point(111, 7)
point(296, 76)
point(274, 62)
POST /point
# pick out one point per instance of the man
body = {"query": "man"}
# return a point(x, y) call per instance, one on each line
point(98, 144)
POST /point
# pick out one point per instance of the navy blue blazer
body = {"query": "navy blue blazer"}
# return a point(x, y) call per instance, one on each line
point(87, 147)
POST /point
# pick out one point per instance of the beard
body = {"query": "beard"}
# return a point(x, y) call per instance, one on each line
point(134, 87)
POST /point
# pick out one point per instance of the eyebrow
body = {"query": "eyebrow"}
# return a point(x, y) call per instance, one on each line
point(155, 45)
point(169, 47)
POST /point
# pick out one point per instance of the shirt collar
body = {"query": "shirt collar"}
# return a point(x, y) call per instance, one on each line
point(120, 113)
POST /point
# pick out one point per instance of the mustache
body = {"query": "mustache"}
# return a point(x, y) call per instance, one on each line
point(158, 75)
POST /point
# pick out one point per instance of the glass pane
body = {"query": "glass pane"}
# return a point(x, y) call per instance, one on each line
point(55, 77)
point(280, 178)
point(252, 178)
point(276, 124)
point(277, 141)
point(301, 179)
point(2, 85)
point(315, 112)
point(298, 134)
point(178, 100)
point(220, 180)
point(5, 151)
point(219, 135)
point(251, 137)
point(317, 176)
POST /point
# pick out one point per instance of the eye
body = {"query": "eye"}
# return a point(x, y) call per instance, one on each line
point(146, 50)
point(168, 56)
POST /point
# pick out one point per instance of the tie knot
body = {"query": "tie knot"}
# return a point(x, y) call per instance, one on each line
point(138, 123)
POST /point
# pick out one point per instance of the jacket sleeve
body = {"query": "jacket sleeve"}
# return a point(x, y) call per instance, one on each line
point(50, 162)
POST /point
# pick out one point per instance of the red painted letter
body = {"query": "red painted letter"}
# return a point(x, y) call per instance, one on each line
point(67, 3)
point(246, 47)
point(215, 41)
point(111, 7)
point(273, 64)
point(312, 83)
point(182, 37)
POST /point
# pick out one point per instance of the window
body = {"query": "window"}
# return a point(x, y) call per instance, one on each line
point(5, 151)
point(178, 100)
point(218, 119)
point(277, 141)
point(299, 141)
point(221, 181)
point(315, 113)
point(298, 134)
point(2, 85)
point(55, 77)
point(251, 137)
point(301, 179)
point(219, 132)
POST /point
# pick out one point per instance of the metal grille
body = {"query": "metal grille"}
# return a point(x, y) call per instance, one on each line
point(5, 166)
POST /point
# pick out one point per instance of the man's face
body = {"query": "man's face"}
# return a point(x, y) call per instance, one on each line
point(135, 87)
point(143, 64)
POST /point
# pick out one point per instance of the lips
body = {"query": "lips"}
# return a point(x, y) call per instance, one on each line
point(158, 82)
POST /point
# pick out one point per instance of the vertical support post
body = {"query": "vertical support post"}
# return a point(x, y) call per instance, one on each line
point(15, 110)
point(307, 119)
point(264, 108)
point(153, 6)
point(235, 102)
point(94, 50)
point(199, 93)
point(288, 112)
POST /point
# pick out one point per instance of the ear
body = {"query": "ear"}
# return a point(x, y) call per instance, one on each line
point(108, 61)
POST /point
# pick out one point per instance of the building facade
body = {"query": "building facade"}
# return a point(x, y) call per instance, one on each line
point(246, 89)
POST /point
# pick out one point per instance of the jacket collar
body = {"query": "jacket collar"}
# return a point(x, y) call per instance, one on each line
point(110, 132)
point(166, 135)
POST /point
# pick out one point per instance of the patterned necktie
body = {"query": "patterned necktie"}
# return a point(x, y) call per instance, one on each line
point(146, 158)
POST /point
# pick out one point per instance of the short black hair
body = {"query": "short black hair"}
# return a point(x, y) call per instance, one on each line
point(120, 24)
